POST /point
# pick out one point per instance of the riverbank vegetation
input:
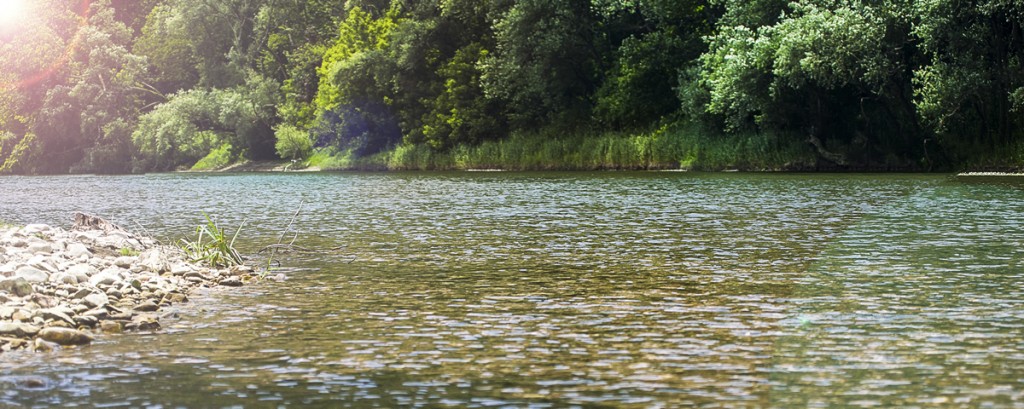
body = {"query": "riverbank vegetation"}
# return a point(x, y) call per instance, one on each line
point(112, 86)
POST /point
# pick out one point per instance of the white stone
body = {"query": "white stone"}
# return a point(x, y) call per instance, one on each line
point(36, 228)
point(56, 314)
point(32, 274)
point(82, 272)
point(40, 248)
point(7, 270)
point(64, 277)
point(104, 278)
point(124, 261)
point(43, 263)
point(96, 299)
point(77, 250)
point(86, 236)
point(181, 269)
point(151, 260)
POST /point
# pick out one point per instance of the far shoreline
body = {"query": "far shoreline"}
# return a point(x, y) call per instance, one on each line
point(282, 166)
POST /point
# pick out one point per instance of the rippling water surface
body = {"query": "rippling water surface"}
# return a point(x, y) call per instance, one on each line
point(564, 289)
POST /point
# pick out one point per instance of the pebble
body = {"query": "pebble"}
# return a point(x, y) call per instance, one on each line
point(58, 285)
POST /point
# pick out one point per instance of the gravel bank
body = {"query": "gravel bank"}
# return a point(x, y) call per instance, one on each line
point(64, 287)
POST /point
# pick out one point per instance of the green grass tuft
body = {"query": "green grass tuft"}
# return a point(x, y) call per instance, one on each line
point(211, 246)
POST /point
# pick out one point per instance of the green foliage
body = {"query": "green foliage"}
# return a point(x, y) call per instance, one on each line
point(128, 252)
point(161, 84)
point(545, 67)
point(22, 156)
point(82, 113)
point(193, 123)
point(292, 143)
point(358, 34)
point(968, 91)
point(165, 42)
point(212, 246)
point(180, 131)
point(650, 43)
point(299, 90)
point(217, 158)
point(112, 153)
point(461, 114)
point(832, 71)
point(332, 159)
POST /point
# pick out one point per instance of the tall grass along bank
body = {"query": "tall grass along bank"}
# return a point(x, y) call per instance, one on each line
point(661, 149)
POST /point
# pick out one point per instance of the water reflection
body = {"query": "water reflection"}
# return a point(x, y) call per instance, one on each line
point(554, 290)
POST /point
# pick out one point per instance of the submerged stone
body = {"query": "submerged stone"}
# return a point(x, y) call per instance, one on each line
point(112, 327)
point(231, 282)
point(65, 336)
point(143, 323)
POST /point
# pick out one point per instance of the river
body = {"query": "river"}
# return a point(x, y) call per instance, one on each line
point(627, 289)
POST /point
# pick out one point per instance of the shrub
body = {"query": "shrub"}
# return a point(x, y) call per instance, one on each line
point(216, 159)
point(292, 143)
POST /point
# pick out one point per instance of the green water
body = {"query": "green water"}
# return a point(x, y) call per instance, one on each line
point(564, 289)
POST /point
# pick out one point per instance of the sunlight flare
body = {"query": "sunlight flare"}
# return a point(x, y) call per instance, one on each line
point(12, 12)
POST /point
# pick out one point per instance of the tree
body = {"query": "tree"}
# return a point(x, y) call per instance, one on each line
point(545, 67)
point(193, 123)
point(353, 100)
point(969, 90)
point(34, 57)
point(166, 42)
point(651, 43)
point(461, 114)
point(80, 112)
point(837, 72)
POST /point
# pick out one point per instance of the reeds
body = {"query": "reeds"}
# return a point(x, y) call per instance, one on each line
point(211, 245)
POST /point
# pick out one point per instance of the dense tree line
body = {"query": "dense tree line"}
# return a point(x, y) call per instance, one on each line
point(142, 85)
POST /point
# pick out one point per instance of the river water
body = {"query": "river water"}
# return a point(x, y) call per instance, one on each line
point(561, 290)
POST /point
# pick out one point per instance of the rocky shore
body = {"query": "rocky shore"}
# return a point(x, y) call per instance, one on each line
point(63, 287)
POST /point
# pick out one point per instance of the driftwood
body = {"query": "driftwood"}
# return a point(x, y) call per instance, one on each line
point(282, 248)
point(824, 153)
point(88, 222)
point(291, 248)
